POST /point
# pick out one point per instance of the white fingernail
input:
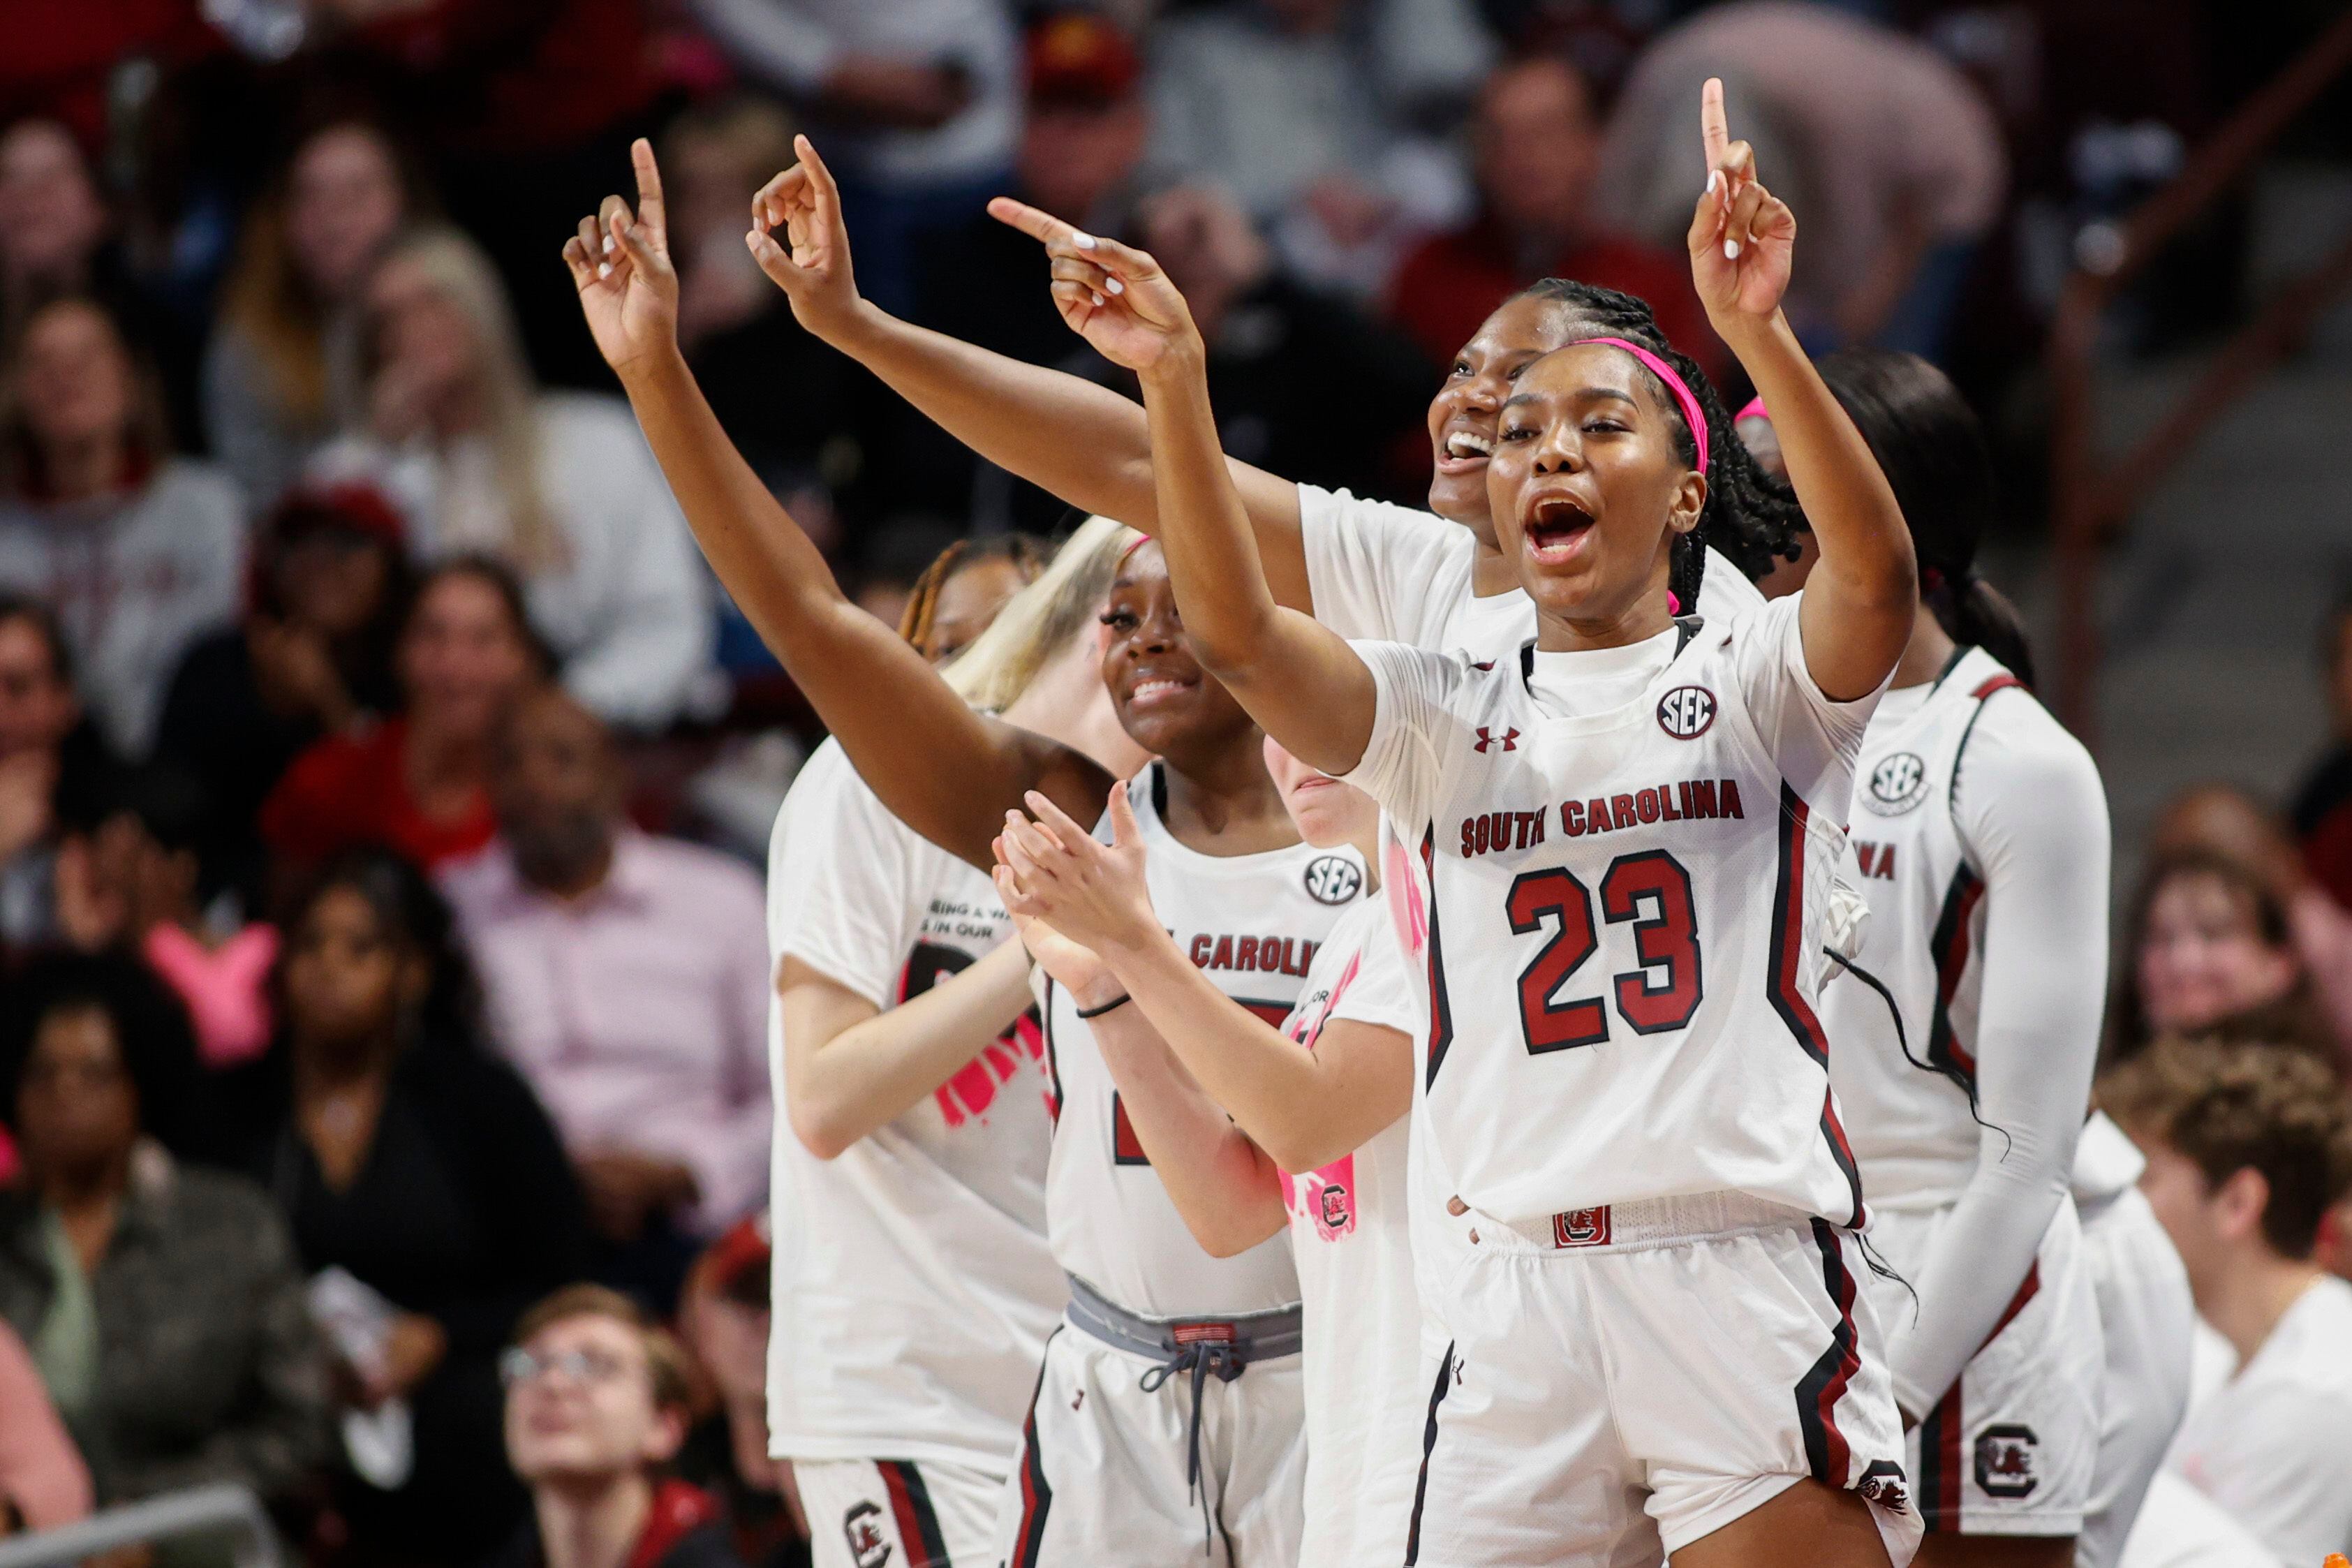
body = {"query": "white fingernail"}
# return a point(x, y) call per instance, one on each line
point(1083, 241)
point(1113, 286)
point(1098, 298)
point(604, 270)
point(608, 244)
point(1714, 178)
point(1731, 250)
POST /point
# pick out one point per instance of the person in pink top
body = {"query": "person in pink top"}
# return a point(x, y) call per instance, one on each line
point(628, 978)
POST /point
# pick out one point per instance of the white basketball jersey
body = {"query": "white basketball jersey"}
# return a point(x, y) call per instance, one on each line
point(1624, 916)
point(1904, 1022)
point(1252, 923)
point(913, 1285)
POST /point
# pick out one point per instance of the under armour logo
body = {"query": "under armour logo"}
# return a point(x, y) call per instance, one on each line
point(1508, 739)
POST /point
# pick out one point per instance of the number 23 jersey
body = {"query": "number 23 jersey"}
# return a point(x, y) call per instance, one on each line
point(1628, 855)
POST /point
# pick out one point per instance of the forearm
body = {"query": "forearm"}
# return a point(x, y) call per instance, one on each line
point(871, 1073)
point(1227, 1189)
point(1864, 585)
point(1302, 1109)
point(945, 771)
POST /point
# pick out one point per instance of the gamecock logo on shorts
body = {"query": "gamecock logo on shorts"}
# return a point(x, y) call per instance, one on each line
point(1580, 1228)
point(1686, 713)
point(2007, 1461)
point(1883, 1484)
point(1333, 878)
point(862, 1528)
point(1896, 784)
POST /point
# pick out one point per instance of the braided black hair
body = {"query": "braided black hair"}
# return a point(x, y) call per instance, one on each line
point(1751, 517)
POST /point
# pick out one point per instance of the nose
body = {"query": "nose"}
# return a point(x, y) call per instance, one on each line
point(1558, 450)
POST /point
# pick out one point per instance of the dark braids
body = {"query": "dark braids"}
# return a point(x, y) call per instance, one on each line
point(1751, 517)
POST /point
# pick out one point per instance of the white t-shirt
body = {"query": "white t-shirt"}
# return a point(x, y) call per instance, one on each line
point(913, 1285)
point(1628, 854)
point(1980, 841)
point(1252, 923)
point(2272, 1446)
point(1347, 1235)
point(2179, 1527)
point(1397, 574)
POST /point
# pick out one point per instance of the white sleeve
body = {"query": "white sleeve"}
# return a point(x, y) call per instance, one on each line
point(1382, 570)
point(2292, 1495)
point(850, 867)
point(2033, 820)
point(1814, 738)
point(1381, 991)
point(1403, 762)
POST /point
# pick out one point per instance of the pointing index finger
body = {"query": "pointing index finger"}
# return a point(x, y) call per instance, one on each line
point(1714, 128)
point(650, 211)
point(1042, 227)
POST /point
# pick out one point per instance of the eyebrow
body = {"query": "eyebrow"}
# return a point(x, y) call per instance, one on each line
point(1581, 394)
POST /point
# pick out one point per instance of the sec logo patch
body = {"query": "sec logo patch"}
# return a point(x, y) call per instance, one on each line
point(1686, 713)
point(1333, 879)
point(1896, 784)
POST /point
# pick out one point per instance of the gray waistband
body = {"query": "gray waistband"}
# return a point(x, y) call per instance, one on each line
point(1258, 1336)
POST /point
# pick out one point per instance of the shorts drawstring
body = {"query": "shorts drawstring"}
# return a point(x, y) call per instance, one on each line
point(1203, 1358)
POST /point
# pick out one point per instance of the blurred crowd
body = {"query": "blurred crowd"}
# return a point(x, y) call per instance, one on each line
point(380, 767)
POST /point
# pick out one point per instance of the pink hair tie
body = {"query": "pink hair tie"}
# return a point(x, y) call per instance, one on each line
point(1752, 409)
point(1674, 605)
point(1684, 397)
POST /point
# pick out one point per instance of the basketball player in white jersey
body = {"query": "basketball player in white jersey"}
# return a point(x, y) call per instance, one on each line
point(1201, 1400)
point(1255, 1130)
point(1968, 1023)
point(1653, 1133)
point(1963, 775)
point(913, 1285)
point(1366, 568)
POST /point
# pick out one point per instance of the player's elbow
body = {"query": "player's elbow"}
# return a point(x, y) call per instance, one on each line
point(1233, 643)
point(1231, 1235)
point(824, 1130)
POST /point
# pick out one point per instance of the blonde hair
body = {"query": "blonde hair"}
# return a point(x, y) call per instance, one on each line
point(464, 278)
point(1043, 617)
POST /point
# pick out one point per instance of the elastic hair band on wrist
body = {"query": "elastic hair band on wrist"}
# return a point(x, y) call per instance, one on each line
point(1106, 1007)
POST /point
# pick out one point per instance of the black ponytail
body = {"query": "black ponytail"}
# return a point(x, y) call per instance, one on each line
point(1751, 517)
point(1928, 441)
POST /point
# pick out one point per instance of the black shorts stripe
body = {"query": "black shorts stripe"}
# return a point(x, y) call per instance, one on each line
point(1428, 1443)
point(1036, 1496)
point(1939, 1458)
point(911, 1507)
point(1827, 1453)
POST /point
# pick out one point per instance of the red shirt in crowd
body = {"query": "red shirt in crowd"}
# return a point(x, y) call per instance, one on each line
point(1452, 282)
point(349, 790)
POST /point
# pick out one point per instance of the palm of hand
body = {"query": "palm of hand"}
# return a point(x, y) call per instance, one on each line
point(1133, 329)
point(630, 313)
point(1752, 283)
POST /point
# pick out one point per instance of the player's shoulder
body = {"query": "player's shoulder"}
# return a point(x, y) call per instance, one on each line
point(2009, 728)
point(1344, 510)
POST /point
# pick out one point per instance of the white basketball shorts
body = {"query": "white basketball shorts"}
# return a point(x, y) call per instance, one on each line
point(864, 1513)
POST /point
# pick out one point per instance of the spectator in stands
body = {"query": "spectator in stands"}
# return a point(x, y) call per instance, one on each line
point(137, 551)
point(627, 980)
point(597, 1406)
point(2209, 951)
point(54, 769)
point(1891, 153)
point(282, 372)
point(1537, 136)
point(1303, 382)
point(43, 1481)
point(917, 108)
point(412, 1160)
point(958, 594)
point(329, 588)
point(2322, 809)
point(162, 1302)
point(1316, 114)
point(725, 1321)
point(418, 782)
point(55, 220)
point(2247, 1147)
point(558, 485)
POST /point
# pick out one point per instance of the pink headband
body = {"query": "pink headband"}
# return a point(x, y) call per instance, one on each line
point(1692, 415)
point(1752, 409)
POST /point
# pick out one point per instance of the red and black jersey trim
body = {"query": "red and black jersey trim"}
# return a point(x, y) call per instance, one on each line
point(1441, 1007)
point(1036, 1495)
point(1940, 1488)
point(1828, 1455)
point(1428, 1445)
point(1053, 1062)
point(1126, 1148)
point(1948, 949)
point(1787, 993)
point(910, 1508)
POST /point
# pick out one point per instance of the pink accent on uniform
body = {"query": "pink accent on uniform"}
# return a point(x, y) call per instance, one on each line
point(1752, 409)
point(1685, 398)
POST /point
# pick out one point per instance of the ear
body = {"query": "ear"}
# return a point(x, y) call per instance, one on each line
point(2239, 1202)
point(666, 1437)
point(1690, 500)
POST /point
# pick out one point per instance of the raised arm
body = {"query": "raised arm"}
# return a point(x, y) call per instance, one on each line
point(1856, 614)
point(1082, 443)
point(1301, 681)
point(945, 771)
